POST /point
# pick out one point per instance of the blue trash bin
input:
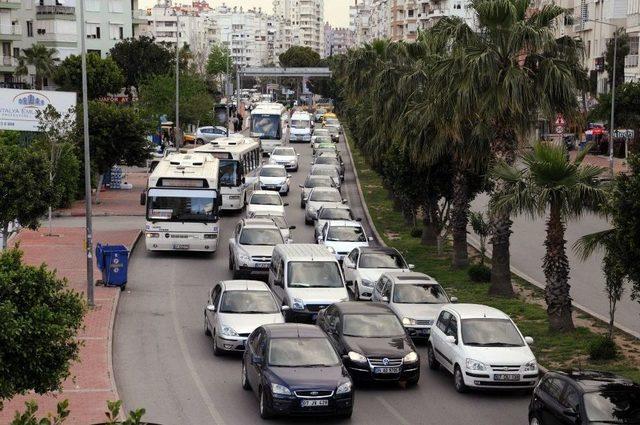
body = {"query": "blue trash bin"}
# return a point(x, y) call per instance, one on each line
point(113, 262)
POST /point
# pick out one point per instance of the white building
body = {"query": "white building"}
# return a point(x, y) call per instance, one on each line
point(55, 24)
point(431, 11)
point(306, 18)
point(337, 40)
point(370, 20)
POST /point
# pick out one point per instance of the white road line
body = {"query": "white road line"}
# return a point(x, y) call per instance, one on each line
point(393, 411)
point(215, 414)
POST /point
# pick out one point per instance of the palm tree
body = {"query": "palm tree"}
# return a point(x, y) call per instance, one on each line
point(551, 185)
point(506, 74)
point(42, 59)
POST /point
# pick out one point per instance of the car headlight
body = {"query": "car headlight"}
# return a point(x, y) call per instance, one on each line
point(408, 321)
point(153, 235)
point(367, 283)
point(357, 357)
point(531, 366)
point(244, 256)
point(331, 249)
point(280, 389)
point(297, 304)
point(228, 331)
point(412, 357)
point(476, 365)
point(344, 388)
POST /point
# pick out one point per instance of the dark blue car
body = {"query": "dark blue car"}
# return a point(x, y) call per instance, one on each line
point(294, 370)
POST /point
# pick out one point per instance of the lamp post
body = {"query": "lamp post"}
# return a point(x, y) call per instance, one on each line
point(178, 132)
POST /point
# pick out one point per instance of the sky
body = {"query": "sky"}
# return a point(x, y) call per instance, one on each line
point(336, 12)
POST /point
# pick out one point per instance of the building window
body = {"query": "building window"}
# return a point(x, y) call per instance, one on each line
point(115, 32)
point(588, 48)
point(93, 30)
point(29, 28)
point(115, 6)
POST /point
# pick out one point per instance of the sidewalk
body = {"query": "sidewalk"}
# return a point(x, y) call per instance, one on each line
point(619, 164)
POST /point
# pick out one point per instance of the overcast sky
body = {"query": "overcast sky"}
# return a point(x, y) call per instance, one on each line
point(335, 11)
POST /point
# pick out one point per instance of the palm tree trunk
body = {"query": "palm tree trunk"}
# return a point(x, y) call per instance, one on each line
point(5, 236)
point(556, 273)
point(429, 229)
point(459, 219)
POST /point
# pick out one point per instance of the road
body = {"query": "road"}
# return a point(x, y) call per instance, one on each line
point(586, 278)
point(164, 363)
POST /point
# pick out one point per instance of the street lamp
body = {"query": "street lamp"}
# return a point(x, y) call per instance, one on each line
point(177, 131)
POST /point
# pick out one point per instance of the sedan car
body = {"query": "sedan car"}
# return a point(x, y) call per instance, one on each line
point(274, 177)
point(320, 132)
point(206, 134)
point(235, 308)
point(584, 397)
point(482, 348)
point(265, 201)
point(321, 196)
point(313, 182)
point(320, 141)
point(331, 213)
point(372, 342)
point(286, 157)
point(416, 298)
point(364, 266)
point(294, 370)
point(251, 246)
point(328, 160)
point(326, 170)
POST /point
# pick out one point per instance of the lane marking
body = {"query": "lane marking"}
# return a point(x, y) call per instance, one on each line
point(393, 411)
point(215, 414)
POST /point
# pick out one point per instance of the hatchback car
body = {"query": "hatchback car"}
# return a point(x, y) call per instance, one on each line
point(364, 266)
point(206, 134)
point(286, 157)
point(482, 348)
point(372, 342)
point(313, 182)
point(274, 177)
point(294, 370)
point(235, 308)
point(341, 237)
point(320, 141)
point(328, 160)
point(251, 246)
point(266, 202)
point(331, 213)
point(321, 196)
point(320, 132)
point(416, 298)
point(584, 397)
point(281, 222)
point(326, 170)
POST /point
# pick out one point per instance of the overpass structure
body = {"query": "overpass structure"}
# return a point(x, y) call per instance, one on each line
point(304, 73)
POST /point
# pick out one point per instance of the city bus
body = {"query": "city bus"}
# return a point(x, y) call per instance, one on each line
point(182, 199)
point(268, 123)
point(239, 168)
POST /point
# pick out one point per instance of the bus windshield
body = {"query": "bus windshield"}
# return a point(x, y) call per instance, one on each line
point(230, 173)
point(266, 126)
point(300, 124)
point(182, 205)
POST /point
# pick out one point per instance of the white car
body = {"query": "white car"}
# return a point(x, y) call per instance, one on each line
point(482, 348)
point(274, 177)
point(206, 134)
point(235, 308)
point(320, 132)
point(364, 266)
point(251, 246)
point(326, 170)
point(265, 202)
point(312, 182)
point(286, 157)
point(341, 237)
point(318, 197)
point(331, 213)
point(415, 298)
point(281, 222)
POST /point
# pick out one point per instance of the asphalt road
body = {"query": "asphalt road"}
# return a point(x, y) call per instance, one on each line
point(164, 362)
point(586, 278)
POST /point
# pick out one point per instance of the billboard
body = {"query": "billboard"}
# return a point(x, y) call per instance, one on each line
point(18, 108)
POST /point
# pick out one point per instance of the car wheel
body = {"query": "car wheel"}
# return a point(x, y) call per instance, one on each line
point(431, 358)
point(200, 142)
point(231, 267)
point(356, 291)
point(458, 380)
point(302, 204)
point(245, 381)
point(412, 382)
point(265, 411)
point(307, 221)
point(347, 415)
point(534, 421)
point(216, 350)
point(207, 331)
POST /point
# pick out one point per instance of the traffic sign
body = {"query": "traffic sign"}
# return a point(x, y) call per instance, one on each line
point(560, 120)
point(559, 129)
point(623, 134)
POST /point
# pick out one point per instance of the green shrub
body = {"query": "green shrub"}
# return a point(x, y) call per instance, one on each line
point(416, 232)
point(603, 348)
point(479, 273)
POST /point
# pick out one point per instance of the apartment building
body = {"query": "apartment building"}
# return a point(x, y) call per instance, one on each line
point(431, 11)
point(306, 17)
point(404, 20)
point(55, 24)
point(337, 40)
point(370, 20)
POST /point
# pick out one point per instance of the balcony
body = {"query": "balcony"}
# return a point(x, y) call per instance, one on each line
point(56, 12)
point(8, 64)
point(10, 32)
point(631, 61)
point(139, 17)
point(9, 4)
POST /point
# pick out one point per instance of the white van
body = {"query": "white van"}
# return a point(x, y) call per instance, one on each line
point(300, 127)
point(307, 278)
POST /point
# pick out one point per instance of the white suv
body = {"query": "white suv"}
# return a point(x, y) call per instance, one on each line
point(251, 246)
point(482, 347)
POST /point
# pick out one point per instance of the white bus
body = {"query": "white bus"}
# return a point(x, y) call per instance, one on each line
point(182, 199)
point(239, 168)
point(268, 123)
point(301, 126)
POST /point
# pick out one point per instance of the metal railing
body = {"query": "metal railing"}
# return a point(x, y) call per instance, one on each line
point(55, 10)
point(10, 29)
point(631, 61)
point(9, 61)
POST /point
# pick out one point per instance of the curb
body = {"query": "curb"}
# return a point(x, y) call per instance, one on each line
point(83, 214)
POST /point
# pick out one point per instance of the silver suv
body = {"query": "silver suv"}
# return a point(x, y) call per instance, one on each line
point(251, 246)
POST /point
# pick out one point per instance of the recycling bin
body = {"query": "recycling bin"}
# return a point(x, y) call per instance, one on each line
point(113, 262)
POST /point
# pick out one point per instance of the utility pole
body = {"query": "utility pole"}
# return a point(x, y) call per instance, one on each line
point(178, 133)
point(238, 90)
point(613, 103)
point(226, 82)
point(87, 159)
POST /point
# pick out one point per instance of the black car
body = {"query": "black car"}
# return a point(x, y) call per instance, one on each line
point(372, 342)
point(294, 370)
point(584, 397)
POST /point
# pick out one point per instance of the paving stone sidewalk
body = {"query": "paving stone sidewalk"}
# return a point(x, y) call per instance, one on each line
point(619, 164)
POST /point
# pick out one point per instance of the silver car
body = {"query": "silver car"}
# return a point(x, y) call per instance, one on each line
point(310, 183)
point(286, 157)
point(251, 246)
point(281, 222)
point(326, 170)
point(326, 159)
point(235, 308)
point(207, 134)
point(319, 197)
point(331, 213)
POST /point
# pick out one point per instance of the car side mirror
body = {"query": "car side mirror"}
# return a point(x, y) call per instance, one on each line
point(285, 308)
point(246, 203)
point(297, 154)
point(243, 180)
point(286, 204)
point(256, 360)
point(454, 300)
point(528, 340)
point(359, 219)
point(384, 299)
point(344, 201)
point(292, 227)
point(278, 283)
point(570, 413)
point(211, 308)
point(451, 339)
point(143, 198)
point(288, 176)
point(301, 186)
point(412, 266)
point(351, 266)
point(370, 238)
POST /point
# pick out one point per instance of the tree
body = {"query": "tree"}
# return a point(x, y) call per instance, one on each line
point(42, 59)
point(481, 227)
point(566, 189)
point(627, 107)
point(299, 57)
point(103, 76)
point(219, 61)
point(141, 58)
point(24, 188)
point(622, 52)
point(41, 317)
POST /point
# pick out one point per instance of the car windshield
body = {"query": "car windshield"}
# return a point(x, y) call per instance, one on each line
point(324, 171)
point(332, 121)
point(284, 152)
point(325, 196)
point(273, 172)
point(314, 274)
point(327, 160)
point(302, 352)
point(265, 237)
point(490, 333)
point(321, 132)
point(265, 199)
point(318, 181)
point(248, 302)
point(616, 403)
point(300, 124)
point(323, 139)
point(334, 214)
point(372, 325)
point(346, 234)
point(382, 260)
point(419, 293)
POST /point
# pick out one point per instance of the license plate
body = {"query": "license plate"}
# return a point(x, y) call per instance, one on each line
point(262, 265)
point(180, 246)
point(422, 332)
point(386, 370)
point(506, 377)
point(314, 403)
